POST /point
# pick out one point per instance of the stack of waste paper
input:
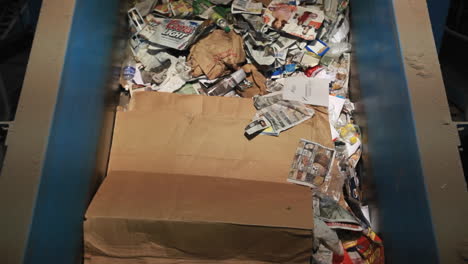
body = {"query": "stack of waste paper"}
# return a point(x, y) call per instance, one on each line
point(292, 57)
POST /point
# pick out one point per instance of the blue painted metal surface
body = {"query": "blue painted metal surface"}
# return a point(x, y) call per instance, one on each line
point(438, 11)
point(64, 192)
point(405, 215)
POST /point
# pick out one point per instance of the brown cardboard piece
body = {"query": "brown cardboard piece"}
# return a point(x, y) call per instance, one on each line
point(186, 186)
point(189, 217)
point(201, 135)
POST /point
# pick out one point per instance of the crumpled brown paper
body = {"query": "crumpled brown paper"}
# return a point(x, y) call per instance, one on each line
point(258, 80)
point(216, 54)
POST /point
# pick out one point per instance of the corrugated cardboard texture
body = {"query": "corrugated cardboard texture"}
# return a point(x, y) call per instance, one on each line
point(201, 135)
point(194, 217)
point(186, 186)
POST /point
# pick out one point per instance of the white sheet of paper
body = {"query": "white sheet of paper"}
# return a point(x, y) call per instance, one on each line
point(137, 78)
point(317, 48)
point(334, 133)
point(335, 105)
point(352, 148)
point(306, 90)
point(365, 212)
point(310, 60)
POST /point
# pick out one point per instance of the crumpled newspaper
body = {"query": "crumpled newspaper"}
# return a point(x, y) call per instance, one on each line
point(172, 78)
point(281, 114)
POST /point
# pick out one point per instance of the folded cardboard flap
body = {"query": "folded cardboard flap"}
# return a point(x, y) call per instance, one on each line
point(202, 135)
point(185, 185)
point(137, 215)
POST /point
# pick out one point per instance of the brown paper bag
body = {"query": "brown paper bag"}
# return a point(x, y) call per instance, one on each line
point(216, 54)
point(258, 80)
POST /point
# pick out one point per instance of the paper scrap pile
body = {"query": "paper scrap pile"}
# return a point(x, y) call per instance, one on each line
point(290, 57)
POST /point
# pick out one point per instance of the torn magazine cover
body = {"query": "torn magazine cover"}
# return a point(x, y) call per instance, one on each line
point(173, 33)
point(311, 164)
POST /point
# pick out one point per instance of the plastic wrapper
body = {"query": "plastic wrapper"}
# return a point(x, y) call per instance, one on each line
point(337, 73)
point(349, 133)
point(341, 30)
point(334, 215)
point(335, 50)
point(369, 246)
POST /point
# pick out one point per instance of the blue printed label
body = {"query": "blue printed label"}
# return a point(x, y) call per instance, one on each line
point(128, 72)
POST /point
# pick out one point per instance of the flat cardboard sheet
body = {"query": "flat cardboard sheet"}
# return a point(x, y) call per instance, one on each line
point(186, 186)
point(201, 135)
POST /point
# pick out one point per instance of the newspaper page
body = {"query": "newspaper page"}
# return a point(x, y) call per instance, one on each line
point(274, 86)
point(283, 115)
point(267, 100)
point(255, 21)
point(259, 55)
point(312, 163)
point(189, 88)
point(174, 77)
point(172, 33)
point(257, 125)
point(300, 21)
point(246, 6)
